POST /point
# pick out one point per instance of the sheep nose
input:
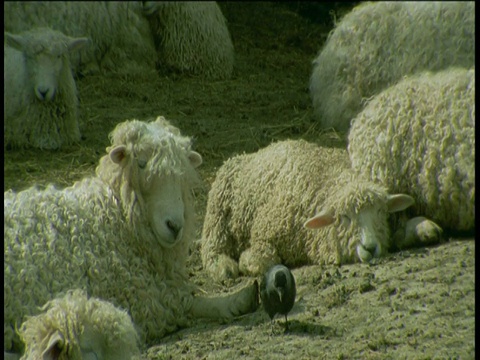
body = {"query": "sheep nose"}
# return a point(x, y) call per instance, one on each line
point(174, 227)
point(43, 93)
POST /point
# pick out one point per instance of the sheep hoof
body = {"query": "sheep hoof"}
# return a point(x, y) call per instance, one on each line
point(246, 300)
point(364, 255)
point(418, 232)
point(255, 264)
point(223, 269)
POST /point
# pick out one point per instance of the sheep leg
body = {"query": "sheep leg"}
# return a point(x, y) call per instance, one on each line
point(418, 231)
point(222, 268)
point(257, 259)
point(238, 303)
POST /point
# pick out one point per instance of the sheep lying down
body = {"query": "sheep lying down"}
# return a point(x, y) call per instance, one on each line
point(419, 136)
point(40, 95)
point(259, 204)
point(122, 236)
point(77, 327)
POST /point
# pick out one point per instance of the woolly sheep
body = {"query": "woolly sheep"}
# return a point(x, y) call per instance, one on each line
point(259, 202)
point(121, 38)
point(193, 37)
point(378, 43)
point(77, 327)
point(419, 137)
point(122, 236)
point(40, 96)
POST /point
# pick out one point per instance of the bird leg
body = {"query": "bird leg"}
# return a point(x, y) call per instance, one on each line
point(286, 324)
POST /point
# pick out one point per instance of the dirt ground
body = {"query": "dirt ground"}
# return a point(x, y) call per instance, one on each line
point(417, 304)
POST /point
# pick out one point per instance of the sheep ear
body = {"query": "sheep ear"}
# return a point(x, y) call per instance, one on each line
point(54, 347)
point(77, 43)
point(118, 154)
point(399, 202)
point(15, 41)
point(320, 220)
point(195, 159)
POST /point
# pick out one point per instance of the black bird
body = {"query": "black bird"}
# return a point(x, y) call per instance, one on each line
point(278, 291)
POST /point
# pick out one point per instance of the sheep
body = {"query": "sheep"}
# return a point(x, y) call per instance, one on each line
point(121, 38)
point(259, 202)
point(122, 236)
point(77, 327)
point(192, 37)
point(418, 136)
point(378, 43)
point(40, 103)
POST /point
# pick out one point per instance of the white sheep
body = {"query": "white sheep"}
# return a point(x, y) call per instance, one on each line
point(418, 136)
point(122, 236)
point(259, 202)
point(121, 38)
point(40, 103)
point(378, 43)
point(77, 327)
point(192, 37)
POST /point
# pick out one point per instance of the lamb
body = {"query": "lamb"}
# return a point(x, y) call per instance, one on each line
point(122, 236)
point(259, 202)
point(40, 96)
point(77, 327)
point(418, 136)
point(121, 38)
point(192, 37)
point(378, 43)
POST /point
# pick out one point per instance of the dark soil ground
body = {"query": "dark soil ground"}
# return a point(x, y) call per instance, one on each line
point(417, 304)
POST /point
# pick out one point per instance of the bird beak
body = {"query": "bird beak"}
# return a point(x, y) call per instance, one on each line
point(280, 294)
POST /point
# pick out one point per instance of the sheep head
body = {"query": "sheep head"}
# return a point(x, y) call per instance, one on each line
point(77, 327)
point(359, 213)
point(45, 52)
point(151, 169)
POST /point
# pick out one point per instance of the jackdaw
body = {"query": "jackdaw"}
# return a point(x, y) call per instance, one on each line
point(278, 291)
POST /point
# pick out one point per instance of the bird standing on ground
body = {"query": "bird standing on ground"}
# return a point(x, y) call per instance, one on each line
point(278, 291)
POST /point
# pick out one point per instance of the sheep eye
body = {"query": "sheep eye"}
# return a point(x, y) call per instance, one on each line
point(142, 164)
point(345, 219)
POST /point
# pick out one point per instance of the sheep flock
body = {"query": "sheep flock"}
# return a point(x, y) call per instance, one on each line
point(130, 39)
point(115, 262)
point(128, 42)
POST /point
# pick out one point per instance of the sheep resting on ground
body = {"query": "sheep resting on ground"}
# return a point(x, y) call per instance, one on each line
point(418, 137)
point(40, 96)
point(122, 236)
point(378, 43)
point(77, 327)
point(259, 202)
point(192, 37)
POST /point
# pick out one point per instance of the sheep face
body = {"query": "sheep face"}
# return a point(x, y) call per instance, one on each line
point(166, 209)
point(158, 177)
point(45, 53)
point(360, 220)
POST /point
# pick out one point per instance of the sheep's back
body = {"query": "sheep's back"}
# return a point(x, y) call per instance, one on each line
point(418, 137)
point(268, 195)
point(378, 43)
